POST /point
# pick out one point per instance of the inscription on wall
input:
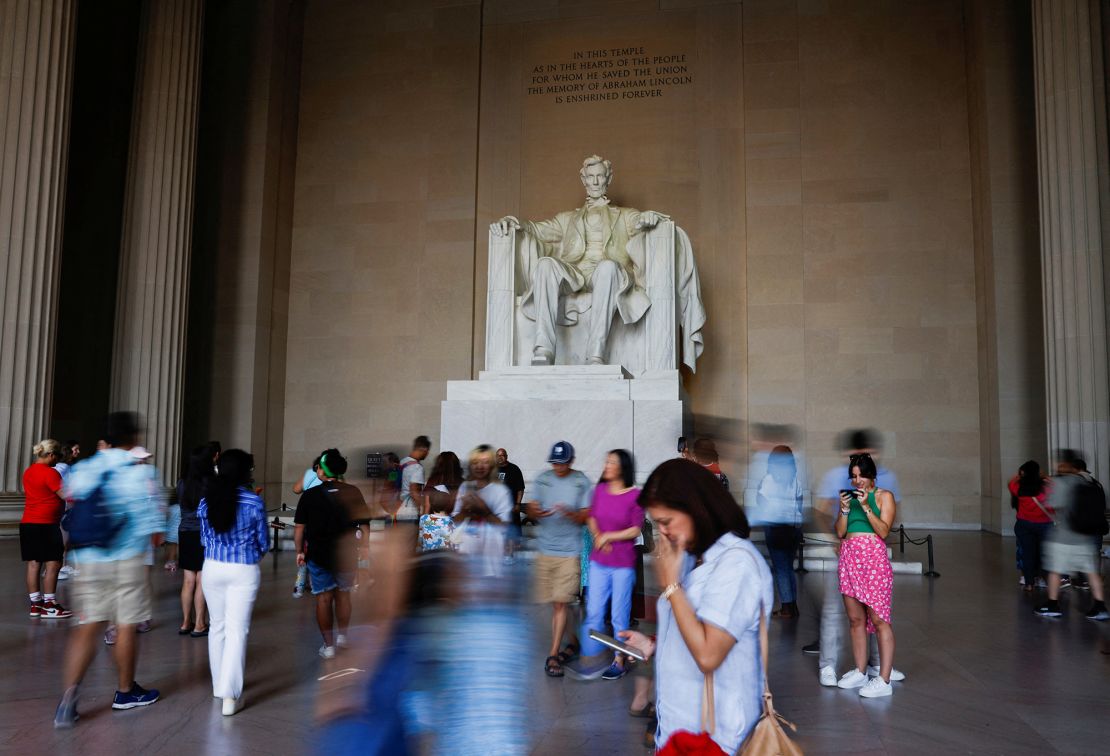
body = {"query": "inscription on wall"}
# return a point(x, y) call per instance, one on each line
point(607, 74)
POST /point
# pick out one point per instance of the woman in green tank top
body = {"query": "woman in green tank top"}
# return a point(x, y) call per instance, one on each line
point(866, 577)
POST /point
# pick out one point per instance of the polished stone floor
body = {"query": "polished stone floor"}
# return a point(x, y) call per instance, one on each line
point(984, 676)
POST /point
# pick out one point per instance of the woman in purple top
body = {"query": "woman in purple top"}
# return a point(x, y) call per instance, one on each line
point(615, 522)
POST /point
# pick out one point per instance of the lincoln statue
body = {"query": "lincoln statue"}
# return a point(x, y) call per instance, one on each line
point(584, 250)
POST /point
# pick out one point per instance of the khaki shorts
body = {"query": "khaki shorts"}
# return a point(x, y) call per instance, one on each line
point(1071, 559)
point(557, 579)
point(111, 592)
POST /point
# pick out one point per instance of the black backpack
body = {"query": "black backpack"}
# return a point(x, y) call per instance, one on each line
point(1087, 513)
point(89, 521)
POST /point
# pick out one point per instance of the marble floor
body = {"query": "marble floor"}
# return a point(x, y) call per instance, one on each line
point(983, 676)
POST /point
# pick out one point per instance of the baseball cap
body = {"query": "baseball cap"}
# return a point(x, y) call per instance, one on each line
point(561, 452)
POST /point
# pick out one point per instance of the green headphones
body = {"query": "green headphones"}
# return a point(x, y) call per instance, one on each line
point(324, 465)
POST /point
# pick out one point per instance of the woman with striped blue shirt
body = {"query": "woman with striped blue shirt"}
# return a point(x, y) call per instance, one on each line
point(235, 537)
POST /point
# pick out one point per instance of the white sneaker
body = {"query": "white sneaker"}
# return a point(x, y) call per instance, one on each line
point(231, 705)
point(876, 688)
point(327, 652)
point(853, 678)
point(895, 675)
point(827, 677)
point(340, 640)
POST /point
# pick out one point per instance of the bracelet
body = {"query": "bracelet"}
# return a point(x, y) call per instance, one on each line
point(666, 594)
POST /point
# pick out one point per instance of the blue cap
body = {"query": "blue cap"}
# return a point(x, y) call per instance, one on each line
point(561, 452)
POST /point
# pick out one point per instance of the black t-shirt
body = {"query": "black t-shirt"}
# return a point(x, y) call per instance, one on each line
point(327, 512)
point(511, 476)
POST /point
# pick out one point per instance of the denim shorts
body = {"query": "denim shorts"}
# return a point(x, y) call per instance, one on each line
point(324, 580)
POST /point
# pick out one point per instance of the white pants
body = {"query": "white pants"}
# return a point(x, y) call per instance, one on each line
point(230, 590)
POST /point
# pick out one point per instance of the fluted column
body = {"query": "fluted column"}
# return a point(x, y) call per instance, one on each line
point(1072, 173)
point(36, 64)
point(152, 299)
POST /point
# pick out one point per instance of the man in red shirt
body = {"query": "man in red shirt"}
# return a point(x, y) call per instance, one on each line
point(40, 537)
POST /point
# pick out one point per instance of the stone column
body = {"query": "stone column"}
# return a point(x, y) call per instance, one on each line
point(1072, 175)
point(152, 300)
point(36, 65)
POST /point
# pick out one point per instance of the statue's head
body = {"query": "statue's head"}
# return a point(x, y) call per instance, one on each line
point(596, 174)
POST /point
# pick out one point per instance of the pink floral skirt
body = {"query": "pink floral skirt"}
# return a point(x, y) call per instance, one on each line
point(866, 575)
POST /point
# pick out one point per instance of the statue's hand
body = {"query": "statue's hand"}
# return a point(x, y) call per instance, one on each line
point(651, 219)
point(503, 226)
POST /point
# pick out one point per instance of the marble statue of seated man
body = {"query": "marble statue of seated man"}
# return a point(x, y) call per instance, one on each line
point(583, 250)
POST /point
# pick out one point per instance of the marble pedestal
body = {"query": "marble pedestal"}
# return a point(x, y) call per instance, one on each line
point(594, 407)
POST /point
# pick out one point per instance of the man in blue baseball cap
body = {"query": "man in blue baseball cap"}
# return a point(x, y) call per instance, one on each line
point(560, 508)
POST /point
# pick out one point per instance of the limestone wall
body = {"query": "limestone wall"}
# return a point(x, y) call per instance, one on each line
point(819, 155)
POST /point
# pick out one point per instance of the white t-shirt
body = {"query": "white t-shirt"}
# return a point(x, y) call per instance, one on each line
point(411, 472)
point(777, 503)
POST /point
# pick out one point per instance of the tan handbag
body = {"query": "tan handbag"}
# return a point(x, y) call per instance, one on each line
point(768, 738)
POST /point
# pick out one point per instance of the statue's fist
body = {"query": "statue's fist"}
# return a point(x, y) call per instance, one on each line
point(651, 219)
point(503, 226)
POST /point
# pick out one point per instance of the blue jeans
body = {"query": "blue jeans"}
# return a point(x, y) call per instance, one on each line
point(782, 544)
point(1030, 538)
point(607, 583)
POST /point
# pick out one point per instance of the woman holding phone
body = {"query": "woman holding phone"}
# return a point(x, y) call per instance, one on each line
point(866, 577)
point(717, 587)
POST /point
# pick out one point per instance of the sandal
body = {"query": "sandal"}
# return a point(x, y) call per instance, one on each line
point(199, 633)
point(552, 667)
point(568, 654)
point(648, 712)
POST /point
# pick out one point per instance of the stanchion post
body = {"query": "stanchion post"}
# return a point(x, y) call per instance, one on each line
point(801, 556)
point(902, 539)
point(929, 543)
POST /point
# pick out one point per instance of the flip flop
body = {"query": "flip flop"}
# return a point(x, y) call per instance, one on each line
point(568, 654)
point(552, 667)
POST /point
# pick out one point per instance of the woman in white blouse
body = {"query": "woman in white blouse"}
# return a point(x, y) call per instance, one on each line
point(716, 586)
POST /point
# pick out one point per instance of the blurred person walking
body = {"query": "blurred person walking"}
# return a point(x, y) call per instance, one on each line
point(705, 454)
point(440, 492)
point(310, 479)
point(236, 536)
point(717, 591)
point(190, 490)
point(40, 534)
point(111, 583)
point(483, 508)
point(412, 480)
point(866, 577)
point(779, 501)
point(1028, 496)
point(560, 509)
point(615, 521)
point(323, 536)
point(1079, 503)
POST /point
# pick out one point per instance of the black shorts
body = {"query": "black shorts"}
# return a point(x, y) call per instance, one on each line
point(190, 551)
point(40, 543)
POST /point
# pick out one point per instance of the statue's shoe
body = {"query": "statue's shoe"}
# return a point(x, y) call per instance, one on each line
point(595, 360)
point(541, 356)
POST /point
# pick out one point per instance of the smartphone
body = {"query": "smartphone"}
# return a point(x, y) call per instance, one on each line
point(850, 491)
point(617, 645)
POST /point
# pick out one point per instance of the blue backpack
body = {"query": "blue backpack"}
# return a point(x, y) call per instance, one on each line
point(90, 521)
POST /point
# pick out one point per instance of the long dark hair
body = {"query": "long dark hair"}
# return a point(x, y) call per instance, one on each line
point(199, 472)
point(222, 497)
point(447, 471)
point(688, 487)
point(628, 468)
point(1030, 482)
